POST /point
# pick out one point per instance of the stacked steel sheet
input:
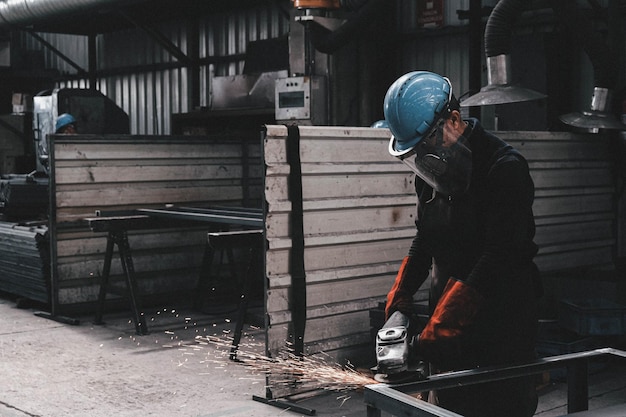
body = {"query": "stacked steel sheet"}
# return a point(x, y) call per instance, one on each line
point(24, 260)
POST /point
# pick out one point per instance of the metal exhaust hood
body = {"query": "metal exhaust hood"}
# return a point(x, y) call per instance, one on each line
point(499, 89)
point(598, 116)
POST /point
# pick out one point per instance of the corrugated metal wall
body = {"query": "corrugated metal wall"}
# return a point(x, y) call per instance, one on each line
point(445, 52)
point(144, 79)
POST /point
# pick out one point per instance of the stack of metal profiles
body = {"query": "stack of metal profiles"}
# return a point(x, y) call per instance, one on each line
point(24, 261)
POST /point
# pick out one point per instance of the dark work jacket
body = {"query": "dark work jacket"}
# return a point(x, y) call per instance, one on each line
point(484, 238)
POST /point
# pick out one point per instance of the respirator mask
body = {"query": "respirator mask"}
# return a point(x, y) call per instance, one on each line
point(446, 167)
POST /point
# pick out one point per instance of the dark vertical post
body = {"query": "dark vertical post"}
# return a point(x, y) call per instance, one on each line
point(475, 52)
point(373, 411)
point(577, 386)
point(193, 53)
point(297, 270)
point(92, 54)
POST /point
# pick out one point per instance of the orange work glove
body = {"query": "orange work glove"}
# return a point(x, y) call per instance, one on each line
point(442, 340)
point(400, 297)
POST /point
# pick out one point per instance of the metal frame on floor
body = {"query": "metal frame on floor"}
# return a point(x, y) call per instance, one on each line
point(396, 399)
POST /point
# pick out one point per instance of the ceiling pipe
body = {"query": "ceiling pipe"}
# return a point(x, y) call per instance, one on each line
point(499, 88)
point(16, 13)
point(605, 71)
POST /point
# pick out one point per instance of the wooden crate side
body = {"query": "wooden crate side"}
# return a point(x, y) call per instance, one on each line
point(358, 221)
point(113, 172)
point(574, 212)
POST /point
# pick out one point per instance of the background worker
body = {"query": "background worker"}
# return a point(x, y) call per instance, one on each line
point(475, 230)
point(66, 124)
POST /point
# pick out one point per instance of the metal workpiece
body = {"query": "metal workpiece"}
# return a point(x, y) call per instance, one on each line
point(396, 399)
point(380, 397)
point(224, 215)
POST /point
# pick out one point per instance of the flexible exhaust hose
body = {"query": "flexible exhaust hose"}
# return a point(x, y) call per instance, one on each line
point(498, 28)
point(580, 30)
point(23, 12)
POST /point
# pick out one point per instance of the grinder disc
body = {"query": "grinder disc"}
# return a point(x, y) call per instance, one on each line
point(400, 377)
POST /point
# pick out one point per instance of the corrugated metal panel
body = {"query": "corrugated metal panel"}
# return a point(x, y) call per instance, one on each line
point(408, 13)
point(73, 47)
point(446, 55)
point(151, 96)
point(359, 210)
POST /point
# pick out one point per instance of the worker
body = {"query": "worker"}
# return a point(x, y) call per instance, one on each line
point(66, 124)
point(475, 231)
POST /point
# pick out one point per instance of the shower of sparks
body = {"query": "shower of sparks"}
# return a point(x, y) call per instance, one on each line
point(289, 370)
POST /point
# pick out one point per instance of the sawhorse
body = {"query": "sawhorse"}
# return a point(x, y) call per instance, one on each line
point(117, 234)
point(249, 240)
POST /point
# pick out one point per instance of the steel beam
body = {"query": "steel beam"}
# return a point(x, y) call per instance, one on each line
point(396, 399)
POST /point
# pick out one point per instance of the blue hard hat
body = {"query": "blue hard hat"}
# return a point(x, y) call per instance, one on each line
point(413, 105)
point(64, 120)
point(380, 124)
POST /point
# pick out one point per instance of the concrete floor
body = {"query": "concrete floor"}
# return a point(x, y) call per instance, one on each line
point(51, 369)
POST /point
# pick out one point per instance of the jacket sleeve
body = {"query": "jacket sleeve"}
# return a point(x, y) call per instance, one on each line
point(413, 270)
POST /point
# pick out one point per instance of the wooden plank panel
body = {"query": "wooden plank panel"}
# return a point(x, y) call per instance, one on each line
point(127, 172)
point(112, 148)
point(564, 260)
point(571, 178)
point(144, 261)
point(157, 282)
point(573, 204)
point(330, 327)
point(548, 151)
point(142, 173)
point(340, 256)
point(129, 194)
point(574, 211)
point(359, 213)
point(355, 220)
point(349, 290)
point(344, 185)
point(70, 245)
point(341, 293)
point(366, 270)
point(572, 232)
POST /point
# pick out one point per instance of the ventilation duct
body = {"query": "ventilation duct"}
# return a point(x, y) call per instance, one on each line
point(605, 70)
point(15, 13)
point(499, 89)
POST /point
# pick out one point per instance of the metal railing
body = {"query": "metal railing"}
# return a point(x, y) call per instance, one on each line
point(396, 399)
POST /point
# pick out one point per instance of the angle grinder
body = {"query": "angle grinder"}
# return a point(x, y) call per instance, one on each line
point(394, 358)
